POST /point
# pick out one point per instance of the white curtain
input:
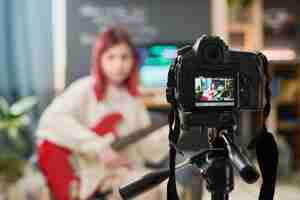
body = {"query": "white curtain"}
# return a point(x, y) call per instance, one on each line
point(26, 60)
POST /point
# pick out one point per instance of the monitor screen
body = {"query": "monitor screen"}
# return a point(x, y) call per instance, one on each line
point(214, 91)
point(155, 62)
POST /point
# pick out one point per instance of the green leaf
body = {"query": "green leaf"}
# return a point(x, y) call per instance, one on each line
point(3, 124)
point(23, 106)
point(13, 133)
point(4, 108)
point(24, 120)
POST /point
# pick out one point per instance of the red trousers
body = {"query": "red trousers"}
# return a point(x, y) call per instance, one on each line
point(54, 163)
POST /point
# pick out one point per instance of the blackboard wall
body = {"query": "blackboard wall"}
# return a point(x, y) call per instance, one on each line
point(148, 21)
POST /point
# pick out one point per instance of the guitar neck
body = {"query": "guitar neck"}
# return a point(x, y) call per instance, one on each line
point(134, 137)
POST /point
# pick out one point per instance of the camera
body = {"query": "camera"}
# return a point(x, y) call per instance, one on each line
point(209, 82)
point(209, 86)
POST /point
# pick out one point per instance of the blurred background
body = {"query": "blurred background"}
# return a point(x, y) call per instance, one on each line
point(45, 45)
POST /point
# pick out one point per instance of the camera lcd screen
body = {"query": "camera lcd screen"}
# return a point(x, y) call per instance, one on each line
point(214, 91)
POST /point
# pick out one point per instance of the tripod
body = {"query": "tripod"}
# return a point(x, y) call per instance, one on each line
point(215, 164)
point(217, 170)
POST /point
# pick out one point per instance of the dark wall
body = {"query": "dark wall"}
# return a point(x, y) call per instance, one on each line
point(147, 21)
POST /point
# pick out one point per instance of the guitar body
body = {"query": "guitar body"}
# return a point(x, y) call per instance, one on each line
point(54, 161)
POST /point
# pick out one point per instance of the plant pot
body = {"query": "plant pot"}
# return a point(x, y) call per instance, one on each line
point(4, 188)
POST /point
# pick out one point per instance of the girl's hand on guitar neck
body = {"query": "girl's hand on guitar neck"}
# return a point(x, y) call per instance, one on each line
point(113, 159)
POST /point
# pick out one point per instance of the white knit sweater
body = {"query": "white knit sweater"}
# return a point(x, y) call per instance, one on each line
point(67, 122)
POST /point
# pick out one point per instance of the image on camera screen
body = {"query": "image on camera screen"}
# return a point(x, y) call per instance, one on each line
point(214, 91)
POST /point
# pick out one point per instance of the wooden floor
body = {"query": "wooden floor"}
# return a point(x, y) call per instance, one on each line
point(245, 191)
point(289, 189)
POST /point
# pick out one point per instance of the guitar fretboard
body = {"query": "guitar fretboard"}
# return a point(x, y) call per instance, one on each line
point(134, 137)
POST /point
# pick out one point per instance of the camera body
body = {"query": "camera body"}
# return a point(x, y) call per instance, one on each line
point(208, 85)
point(208, 82)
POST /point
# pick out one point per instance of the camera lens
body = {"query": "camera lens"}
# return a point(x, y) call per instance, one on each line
point(213, 54)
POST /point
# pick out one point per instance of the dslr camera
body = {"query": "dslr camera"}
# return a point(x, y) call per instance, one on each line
point(210, 83)
point(208, 86)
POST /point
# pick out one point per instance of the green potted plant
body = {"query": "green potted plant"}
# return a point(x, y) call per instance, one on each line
point(13, 118)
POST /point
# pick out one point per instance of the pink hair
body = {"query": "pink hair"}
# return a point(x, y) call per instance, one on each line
point(110, 37)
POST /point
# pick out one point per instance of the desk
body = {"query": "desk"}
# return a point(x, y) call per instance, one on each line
point(155, 99)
